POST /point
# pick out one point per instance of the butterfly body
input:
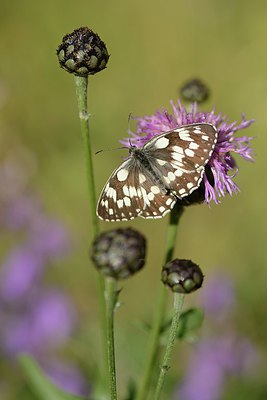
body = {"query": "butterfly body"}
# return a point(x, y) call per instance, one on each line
point(168, 167)
point(145, 161)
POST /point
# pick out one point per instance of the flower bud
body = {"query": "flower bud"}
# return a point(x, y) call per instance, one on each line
point(194, 91)
point(82, 52)
point(119, 253)
point(182, 276)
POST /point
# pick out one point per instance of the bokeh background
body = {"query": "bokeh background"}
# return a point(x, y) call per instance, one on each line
point(155, 47)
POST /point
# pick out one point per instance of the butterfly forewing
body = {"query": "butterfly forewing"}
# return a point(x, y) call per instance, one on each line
point(169, 166)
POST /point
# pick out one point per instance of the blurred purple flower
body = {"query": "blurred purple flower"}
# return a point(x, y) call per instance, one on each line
point(49, 237)
point(67, 377)
point(33, 318)
point(53, 319)
point(212, 361)
point(218, 296)
point(215, 358)
point(217, 179)
point(47, 324)
point(21, 211)
point(24, 265)
point(20, 271)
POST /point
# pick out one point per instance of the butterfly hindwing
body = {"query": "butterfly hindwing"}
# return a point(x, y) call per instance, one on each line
point(111, 205)
point(131, 192)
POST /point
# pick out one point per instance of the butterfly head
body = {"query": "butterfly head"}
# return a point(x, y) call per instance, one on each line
point(132, 148)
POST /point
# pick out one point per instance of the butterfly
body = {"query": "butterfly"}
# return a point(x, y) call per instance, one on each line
point(168, 167)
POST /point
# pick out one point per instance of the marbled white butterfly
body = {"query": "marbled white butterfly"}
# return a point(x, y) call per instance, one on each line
point(168, 167)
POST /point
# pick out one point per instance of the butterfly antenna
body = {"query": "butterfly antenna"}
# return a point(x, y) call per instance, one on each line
point(129, 119)
point(116, 148)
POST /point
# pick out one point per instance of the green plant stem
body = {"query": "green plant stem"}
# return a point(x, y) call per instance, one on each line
point(160, 308)
point(81, 84)
point(178, 305)
point(111, 300)
point(81, 93)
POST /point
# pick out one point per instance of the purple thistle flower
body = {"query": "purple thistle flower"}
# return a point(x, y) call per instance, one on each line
point(221, 168)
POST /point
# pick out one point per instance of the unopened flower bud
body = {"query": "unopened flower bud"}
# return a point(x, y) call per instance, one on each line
point(195, 91)
point(119, 253)
point(182, 276)
point(82, 52)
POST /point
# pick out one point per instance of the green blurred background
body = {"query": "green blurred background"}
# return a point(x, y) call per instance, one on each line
point(155, 47)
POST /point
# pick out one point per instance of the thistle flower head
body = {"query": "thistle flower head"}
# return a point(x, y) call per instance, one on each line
point(218, 179)
point(182, 276)
point(119, 253)
point(82, 52)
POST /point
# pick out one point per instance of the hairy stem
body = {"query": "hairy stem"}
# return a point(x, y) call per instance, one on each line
point(111, 300)
point(81, 93)
point(160, 308)
point(81, 84)
point(178, 305)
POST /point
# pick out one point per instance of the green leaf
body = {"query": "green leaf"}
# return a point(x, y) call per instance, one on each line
point(40, 384)
point(190, 321)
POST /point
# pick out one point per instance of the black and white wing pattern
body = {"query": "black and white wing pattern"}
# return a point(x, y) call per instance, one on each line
point(130, 192)
point(168, 167)
point(179, 156)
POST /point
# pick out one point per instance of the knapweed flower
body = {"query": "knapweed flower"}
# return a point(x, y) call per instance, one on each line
point(82, 52)
point(119, 253)
point(218, 179)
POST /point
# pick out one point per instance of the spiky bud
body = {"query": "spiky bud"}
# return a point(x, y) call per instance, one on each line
point(182, 276)
point(82, 52)
point(119, 253)
point(195, 91)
